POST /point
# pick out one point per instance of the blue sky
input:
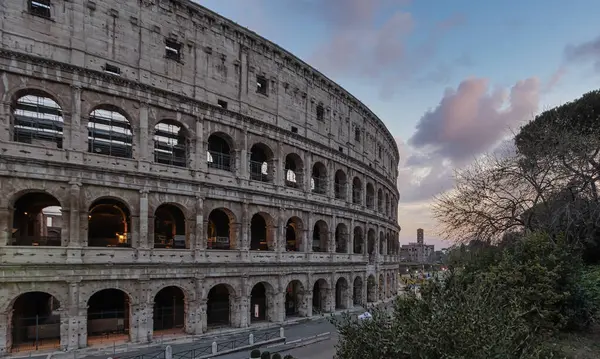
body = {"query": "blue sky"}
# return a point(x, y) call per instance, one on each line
point(400, 57)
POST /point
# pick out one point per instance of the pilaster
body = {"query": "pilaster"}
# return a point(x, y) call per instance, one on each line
point(74, 239)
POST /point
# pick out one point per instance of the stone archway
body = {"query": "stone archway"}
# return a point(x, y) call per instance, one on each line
point(357, 295)
point(169, 310)
point(294, 300)
point(35, 323)
point(341, 294)
point(108, 315)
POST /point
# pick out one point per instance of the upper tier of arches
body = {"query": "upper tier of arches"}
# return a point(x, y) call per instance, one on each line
point(38, 118)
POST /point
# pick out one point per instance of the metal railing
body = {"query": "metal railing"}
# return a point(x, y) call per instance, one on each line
point(256, 172)
point(53, 241)
point(356, 196)
point(218, 243)
point(319, 185)
point(218, 160)
point(340, 190)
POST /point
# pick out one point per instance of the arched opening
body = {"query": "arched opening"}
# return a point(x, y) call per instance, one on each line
point(382, 244)
point(340, 184)
point(380, 200)
point(293, 235)
point(218, 306)
point(170, 143)
point(320, 296)
point(341, 238)
point(293, 170)
point(261, 163)
point(220, 230)
point(320, 237)
point(169, 227)
point(261, 233)
point(371, 242)
point(358, 240)
point(318, 183)
point(356, 191)
point(37, 119)
point(371, 290)
point(294, 299)
point(219, 154)
point(381, 287)
point(370, 196)
point(35, 322)
point(387, 204)
point(109, 224)
point(37, 220)
point(109, 132)
point(169, 310)
point(108, 316)
point(259, 303)
point(357, 295)
point(341, 293)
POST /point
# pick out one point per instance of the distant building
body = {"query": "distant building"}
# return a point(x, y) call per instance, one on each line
point(418, 252)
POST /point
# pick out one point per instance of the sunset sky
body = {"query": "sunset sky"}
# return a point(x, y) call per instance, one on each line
point(450, 79)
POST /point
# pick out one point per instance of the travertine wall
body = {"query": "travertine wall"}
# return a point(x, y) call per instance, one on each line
point(64, 57)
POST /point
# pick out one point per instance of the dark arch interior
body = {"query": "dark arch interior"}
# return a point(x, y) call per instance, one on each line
point(340, 184)
point(258, 303)
point(319, 178)
point(37, 119)
point(37, 220)
point(258, 233)
point(170, 143)
point(169, 309)
point(218, 306)
point(219, 153)
point(370, 195)
point(380, 200)
point(35, 321)
point(319, 299)
point(108, 314)
point(371, 290)
point(169, 227)
point(358, 241)
point(341, 288)
point(356, 190)
point(381, 244)
point(293, 298)
point(259, 163)
point(109, 133)
point(109, 224)
point(218, 230)
point(319, 243)
point(371, 242)
point(341, 239)
point(292, 235)
point(357, 292)
point(293, 170)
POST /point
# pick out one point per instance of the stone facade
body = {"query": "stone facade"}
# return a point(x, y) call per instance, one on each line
point(303, 173)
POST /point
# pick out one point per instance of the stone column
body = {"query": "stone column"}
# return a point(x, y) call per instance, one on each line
point(277, 307)
point(74, 239)
point(244, 243)
point(5, 123)
point(75, 139)
point(305, 309)
point(5, 331)
point(308, 233)
point(240, 313)
point(332, 247)
point(239, 159)
point(143, 134)
point(280, 243)
point(307, 171)
point(244, 157)
point(279, 164)
point(200, 164)
point(144, 242)
point(200, 242)
point(195, 314)
point(75, 335)
point(5, 226)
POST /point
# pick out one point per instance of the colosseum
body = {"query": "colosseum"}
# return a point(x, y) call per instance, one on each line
point(165, 170)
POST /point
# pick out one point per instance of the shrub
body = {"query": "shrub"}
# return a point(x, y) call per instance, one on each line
point(289, 356)
point(255, 353)
point(276, 356)
point(265, 355)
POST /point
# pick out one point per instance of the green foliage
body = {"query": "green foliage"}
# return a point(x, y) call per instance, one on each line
point(255, 353)
point(495, 302)
point(265, 355)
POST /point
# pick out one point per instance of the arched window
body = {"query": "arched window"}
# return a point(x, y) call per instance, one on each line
point(109, 133)
point(170, 144)
point(37, 119)
point(219, 153)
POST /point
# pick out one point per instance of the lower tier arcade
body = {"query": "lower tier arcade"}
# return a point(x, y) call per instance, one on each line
point(70, 309)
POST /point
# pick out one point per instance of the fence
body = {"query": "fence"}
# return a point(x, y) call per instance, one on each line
point(237, 343)
point(34, 333)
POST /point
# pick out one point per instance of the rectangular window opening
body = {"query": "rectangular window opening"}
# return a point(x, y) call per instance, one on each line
point(222, 103)
point(341, 149)
point(294, 129)
point(40, 8)
point(261, 85)
point(112, 69)
point(357, 135)
point(172, 50)
point(320, 112)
